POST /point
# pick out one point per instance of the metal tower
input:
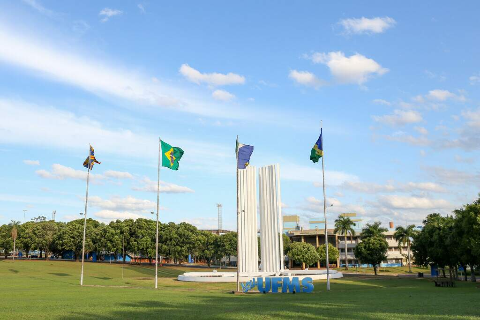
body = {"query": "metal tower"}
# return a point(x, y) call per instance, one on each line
point(53, 214)
point(219, 206)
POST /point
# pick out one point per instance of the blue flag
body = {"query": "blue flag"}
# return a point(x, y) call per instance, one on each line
point(244, 152)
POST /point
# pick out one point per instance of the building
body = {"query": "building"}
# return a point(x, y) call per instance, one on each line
point(216, 231)
point(316, 237)
point(291, 223)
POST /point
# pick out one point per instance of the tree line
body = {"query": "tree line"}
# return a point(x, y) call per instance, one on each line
point(451, 241)
point(133, 237)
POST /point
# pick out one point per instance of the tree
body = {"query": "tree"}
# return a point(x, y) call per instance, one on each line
point(286, 242)
point(5, 239)
point(28, 237)
point(344, 225)
point(44, 234)
point(333, 253)
point(207, 248)
point(467, 229)
point(373, 230)
point(228, 244)
point(372, 250)
point(71, 237)
point(303, 252)
point(14, 232)
point(403, 236)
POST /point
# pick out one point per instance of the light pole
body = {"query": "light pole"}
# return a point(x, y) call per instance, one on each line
point(24, 215)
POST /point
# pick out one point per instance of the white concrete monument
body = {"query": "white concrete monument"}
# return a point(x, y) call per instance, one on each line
point(271, 230)
point(248, 220)
point(271, 222)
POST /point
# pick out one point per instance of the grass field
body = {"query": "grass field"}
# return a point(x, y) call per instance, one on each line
point(50, 290)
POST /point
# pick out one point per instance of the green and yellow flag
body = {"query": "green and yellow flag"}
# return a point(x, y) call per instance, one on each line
point(171, 156)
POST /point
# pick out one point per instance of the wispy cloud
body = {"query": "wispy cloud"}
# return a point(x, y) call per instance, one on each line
point(165, 187)
point(38, 6)
point(222, 95)
point(399, 118)
point(102, 78)
point(30, 125)
point(306, 78)
point(107, 13)
point(367, 26)
point(31, 162)
point(215, 79)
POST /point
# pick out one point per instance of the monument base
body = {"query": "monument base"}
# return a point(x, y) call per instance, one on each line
point(215, 276)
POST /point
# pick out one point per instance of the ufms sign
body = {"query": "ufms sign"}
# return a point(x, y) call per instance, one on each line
point(279, 284)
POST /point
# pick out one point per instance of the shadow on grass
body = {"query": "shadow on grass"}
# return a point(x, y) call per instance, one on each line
point(13, 270)
point(370, 305)
point(59, 274)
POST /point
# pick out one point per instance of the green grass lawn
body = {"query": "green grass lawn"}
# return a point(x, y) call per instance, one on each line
point(51, 290)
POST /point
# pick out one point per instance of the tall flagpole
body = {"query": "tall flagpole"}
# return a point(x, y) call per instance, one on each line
point(238, 224)
point(85, 218)
point(325, 211)
point(158, 207)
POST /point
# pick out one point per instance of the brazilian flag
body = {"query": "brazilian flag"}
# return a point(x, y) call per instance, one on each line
point(171, 156)
point(317, 150)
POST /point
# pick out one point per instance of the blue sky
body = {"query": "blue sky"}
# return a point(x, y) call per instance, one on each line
point(396, 86)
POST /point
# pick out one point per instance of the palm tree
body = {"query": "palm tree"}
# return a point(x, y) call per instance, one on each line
point(14, 232)
point(404, 236)
point(344, 225)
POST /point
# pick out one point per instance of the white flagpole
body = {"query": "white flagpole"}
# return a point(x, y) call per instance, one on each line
point(158, 207)
point(325, 214)
point(85, 218)
point(238, 224)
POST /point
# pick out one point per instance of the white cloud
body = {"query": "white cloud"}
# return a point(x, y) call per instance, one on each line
point(128, 203)
point(409, 139)
point(37, 6)
point(365, 25)
point(354, 69)
point(421, 130)
point(141, 7)
point(60, 172)
point(165, 187)
point(109, 215)
point(31, 162)
point(392, 186)
point(30, 125)
point(222, 95)
point(453, 176)
point(102, 78)
point(399, 118)
point(440, 95)
point(107, 13)
point(443, 95)
point(403, 202)
point(297, 172)
point(461, 159)
point(203, 223)
point(306, 78)
point(418, 99)
point(469, 133)
point(315, 205)
point(475, 79)
point(216, 79)
point(381, 101)
point(118, 174)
